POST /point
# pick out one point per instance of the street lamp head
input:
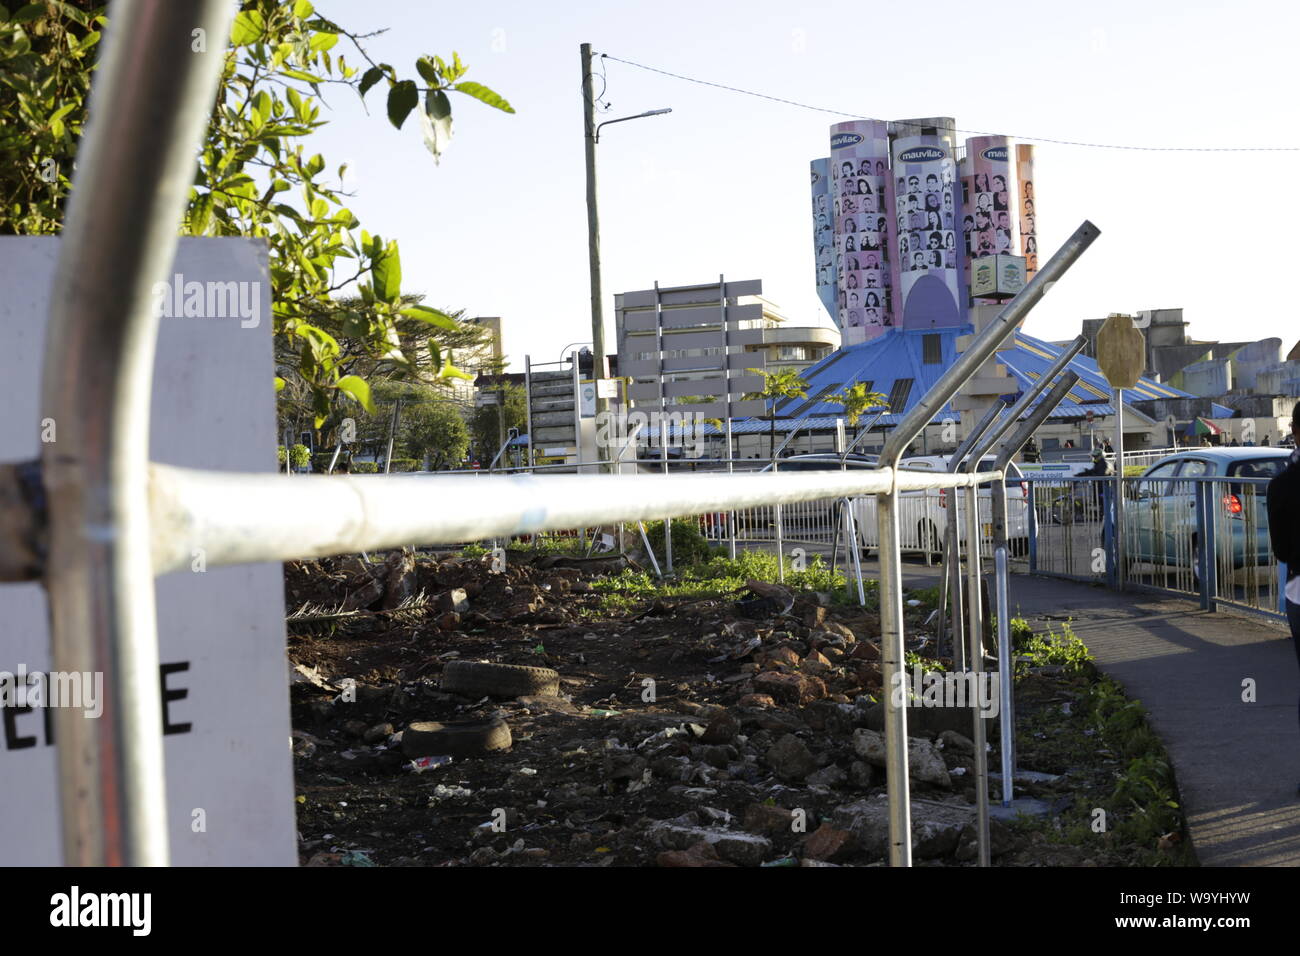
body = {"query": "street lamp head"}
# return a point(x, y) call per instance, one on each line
point(624, 119)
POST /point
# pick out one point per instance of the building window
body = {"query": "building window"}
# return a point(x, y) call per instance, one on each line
point(932, 349)
point(899, 393)
point(792, 353)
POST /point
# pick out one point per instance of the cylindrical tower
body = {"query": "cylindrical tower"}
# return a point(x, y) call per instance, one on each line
point(859, 166)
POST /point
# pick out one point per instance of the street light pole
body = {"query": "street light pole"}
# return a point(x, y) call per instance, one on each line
point(591, 136)
point(593, 236)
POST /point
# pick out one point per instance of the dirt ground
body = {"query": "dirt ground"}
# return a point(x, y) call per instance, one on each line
point(685, 732)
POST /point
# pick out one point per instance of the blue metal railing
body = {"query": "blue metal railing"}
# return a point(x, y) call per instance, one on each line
point(1203, 536)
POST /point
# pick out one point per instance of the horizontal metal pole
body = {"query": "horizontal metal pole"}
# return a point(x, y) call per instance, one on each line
point(234, 518)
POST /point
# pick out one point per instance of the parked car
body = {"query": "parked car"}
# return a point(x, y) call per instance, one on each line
point(1160, 520)
point(923, 515)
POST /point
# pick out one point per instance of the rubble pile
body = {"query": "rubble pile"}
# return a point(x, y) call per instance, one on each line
point(742, 730)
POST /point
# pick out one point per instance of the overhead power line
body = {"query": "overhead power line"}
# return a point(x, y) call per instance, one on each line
point(971, 132)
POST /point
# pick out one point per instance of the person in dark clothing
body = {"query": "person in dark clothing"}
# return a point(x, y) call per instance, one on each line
point(1284, 530)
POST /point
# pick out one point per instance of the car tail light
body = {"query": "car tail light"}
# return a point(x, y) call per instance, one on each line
point(943, 497)
point(1232, 503)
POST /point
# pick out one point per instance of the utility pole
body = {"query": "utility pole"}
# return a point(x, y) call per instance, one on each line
point(593, 241)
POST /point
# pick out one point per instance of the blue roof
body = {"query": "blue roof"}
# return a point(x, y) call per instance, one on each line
point(899, 354)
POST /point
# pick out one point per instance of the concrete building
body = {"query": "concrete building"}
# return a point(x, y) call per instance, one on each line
point(486, 359)
point(678, 349)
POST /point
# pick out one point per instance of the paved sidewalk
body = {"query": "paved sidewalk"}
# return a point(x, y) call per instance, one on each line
point(1237, 764)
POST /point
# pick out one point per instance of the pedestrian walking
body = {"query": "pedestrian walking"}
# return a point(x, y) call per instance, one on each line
point(1284, 529)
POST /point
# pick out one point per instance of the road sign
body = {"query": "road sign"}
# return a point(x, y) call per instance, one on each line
point(1121, 351)
point(223, 678)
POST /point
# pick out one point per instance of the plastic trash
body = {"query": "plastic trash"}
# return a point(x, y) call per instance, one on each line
point(421, 764)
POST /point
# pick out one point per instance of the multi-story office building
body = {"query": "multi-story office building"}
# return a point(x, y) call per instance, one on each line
point(697, 345)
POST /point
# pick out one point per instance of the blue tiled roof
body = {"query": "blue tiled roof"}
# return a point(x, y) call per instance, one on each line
point(899, 354)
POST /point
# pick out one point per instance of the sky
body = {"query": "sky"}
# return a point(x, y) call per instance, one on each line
point(720, 185)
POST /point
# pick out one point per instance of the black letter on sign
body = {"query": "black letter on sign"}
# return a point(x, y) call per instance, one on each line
point(170, 695)
point(12, 740)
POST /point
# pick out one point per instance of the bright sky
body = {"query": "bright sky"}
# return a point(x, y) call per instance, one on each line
point(721, 184)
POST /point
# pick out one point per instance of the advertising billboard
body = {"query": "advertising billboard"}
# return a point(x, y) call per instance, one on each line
point(859, 170)
point(997, 277)
point(927, 201)
point(1028, 220)
point(824, 236)
point(988, 225)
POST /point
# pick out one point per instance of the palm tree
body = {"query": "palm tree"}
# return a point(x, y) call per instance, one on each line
point(857, 401)
point(780, 384)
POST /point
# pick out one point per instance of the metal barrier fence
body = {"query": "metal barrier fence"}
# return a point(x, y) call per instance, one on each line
point(96, 522)
point(1201, 536)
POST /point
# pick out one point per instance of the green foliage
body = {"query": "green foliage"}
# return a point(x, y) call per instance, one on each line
point(47, 51)
point(689, 545)
point(364, 468)
point(779, 384)
point(254, 176)
point(1039, 650)
point(489, 422)
point(300, 455)
point(437, 431)
point(718, 577)
point(857, 400)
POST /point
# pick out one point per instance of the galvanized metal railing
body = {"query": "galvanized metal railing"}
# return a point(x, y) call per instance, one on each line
point(114, 521)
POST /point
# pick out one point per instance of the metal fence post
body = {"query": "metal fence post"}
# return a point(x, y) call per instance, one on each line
point(1032, 520)
point(891, 655)
point(731, 515)
point(1006, 675)
point(976, 662)
point(149, 104)
point(1202, 514)
point(1210, 550)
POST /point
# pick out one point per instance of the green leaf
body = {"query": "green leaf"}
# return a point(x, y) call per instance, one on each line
point(323, 41)
point(402, 98)
point(481, 92)
point(262, 103)
point(248, 28)
point(356, 387)
point(427, 70)
point(302, 9)
point(450, 371)
point(371, 77)
point(200, 214)
point(435, 122)
point(425, 314)
point(32, 11)
point(388, 274)
point(279, 383)
point(303, 75)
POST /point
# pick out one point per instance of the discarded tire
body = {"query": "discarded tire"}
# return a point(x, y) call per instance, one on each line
point(474, 679)
point(456, 738)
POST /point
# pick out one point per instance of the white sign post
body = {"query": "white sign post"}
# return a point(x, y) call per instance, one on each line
point(223, 676)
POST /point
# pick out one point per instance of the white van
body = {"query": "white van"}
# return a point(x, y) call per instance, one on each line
point(923, 517)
